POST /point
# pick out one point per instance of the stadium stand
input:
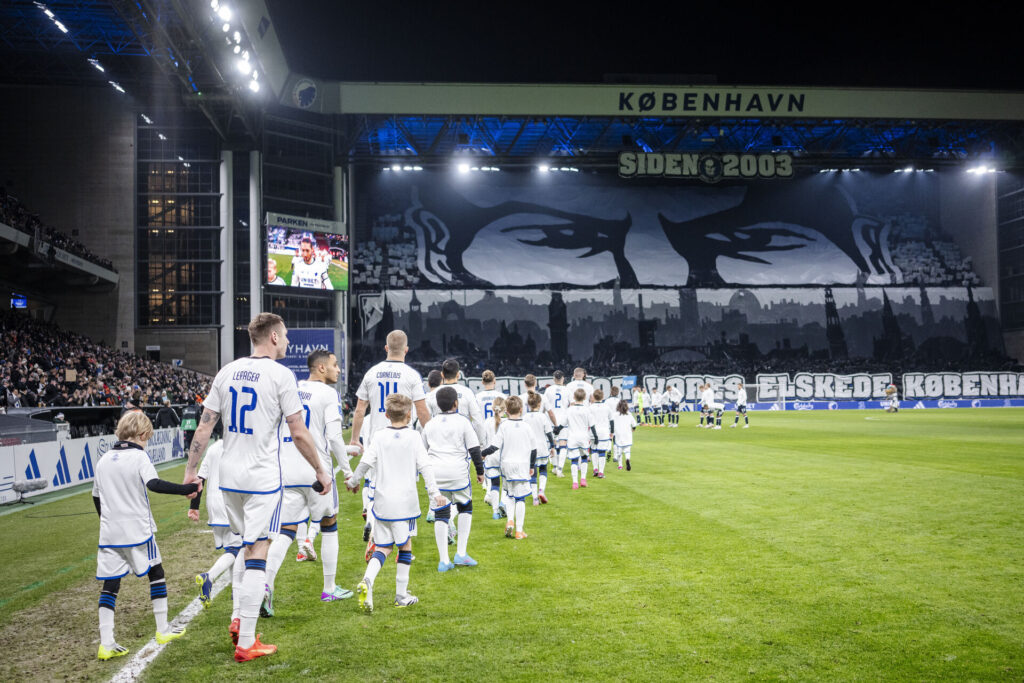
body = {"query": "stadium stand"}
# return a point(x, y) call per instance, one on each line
point(14, 214)
point(42, 365)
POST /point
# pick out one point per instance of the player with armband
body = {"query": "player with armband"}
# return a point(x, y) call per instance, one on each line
point(127, 529)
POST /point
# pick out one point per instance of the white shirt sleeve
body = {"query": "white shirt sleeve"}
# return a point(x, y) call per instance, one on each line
point(425, 470)
point(146, 470)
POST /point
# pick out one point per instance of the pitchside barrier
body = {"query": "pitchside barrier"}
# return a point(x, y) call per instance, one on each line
point(858, 390)
point(64, 463)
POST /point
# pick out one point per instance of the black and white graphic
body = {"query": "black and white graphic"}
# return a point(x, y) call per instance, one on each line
point(526, 229)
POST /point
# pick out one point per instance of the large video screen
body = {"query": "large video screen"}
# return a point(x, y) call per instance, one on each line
point(306, 252)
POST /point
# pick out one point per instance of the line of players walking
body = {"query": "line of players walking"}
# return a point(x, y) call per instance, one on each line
point(269, 484)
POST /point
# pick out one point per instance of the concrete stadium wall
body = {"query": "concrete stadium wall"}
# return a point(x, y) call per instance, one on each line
point(69, 155)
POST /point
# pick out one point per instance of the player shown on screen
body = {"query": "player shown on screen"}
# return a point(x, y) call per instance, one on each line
point(308, 269)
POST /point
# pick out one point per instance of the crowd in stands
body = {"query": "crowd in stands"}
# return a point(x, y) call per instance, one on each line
point(42, 365)
point(924, 257)
point(14, 214)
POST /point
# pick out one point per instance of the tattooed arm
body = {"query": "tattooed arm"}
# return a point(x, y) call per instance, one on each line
point(199, 441)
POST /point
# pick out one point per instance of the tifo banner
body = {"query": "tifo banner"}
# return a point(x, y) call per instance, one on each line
point(539, 229)
point(962, 384)
point(801, 390)
point(304, 341)
point(73, 461)
point(810, 386)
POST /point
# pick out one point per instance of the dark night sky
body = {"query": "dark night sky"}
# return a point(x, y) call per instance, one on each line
point(549, 42)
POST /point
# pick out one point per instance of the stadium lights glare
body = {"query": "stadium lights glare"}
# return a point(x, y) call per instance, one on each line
point(396, 167)
point(96, 64)
point(463, 168)
point(244, 66)
point(237, 36)
point(254, 86)
point(245, 55)
point(543, 168)
point(161, 136)
point(980, 170)
point(62, 27)
point(237, 49)
point(214, 4)
point(48, 13)
point(224, 12)
point(146, 119)
point(255, 75)
point(226, 27)
point(116, 86)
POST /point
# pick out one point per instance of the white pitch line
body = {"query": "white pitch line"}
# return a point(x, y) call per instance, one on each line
point(148, 652)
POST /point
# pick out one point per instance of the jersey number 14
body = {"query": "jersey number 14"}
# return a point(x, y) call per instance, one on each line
point(385, 389)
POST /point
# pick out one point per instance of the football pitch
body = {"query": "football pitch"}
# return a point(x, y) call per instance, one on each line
point(847, 545)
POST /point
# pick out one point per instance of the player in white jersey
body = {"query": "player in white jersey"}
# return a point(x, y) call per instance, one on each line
point(707, 399)
point(741, 407)
point(623, 426)
point(451, 444)
point(603, 428)
point(309, 271)
point(254, 395)
point(541, 425)
point(272, 277)
point(579, 381)
point(485, 397)
point(517, 445)
point(494, 496)
point(580, 434)
point(127, 531)
point(675, 398)
point(391, 376)
point(557, 398)
point(217, 520)
point(301, 503)
point(655, 403)
point(396, 454)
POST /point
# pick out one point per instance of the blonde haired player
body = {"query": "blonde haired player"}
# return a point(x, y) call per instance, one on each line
point(557, 398)
point(396, 454)
point(741, 407)
point(127, 529)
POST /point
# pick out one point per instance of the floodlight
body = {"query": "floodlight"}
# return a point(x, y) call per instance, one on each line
point(62, 27)
point(463, 168)
point(224, 12)
point(226, 27)
point(254, 86)
point(244, 67)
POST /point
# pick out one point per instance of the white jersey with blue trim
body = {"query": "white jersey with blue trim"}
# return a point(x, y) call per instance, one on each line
point(448, 438)
point(120, 484)
point(322, 413)
point(602, 417)
point(541, 425)
point(253, 396)
point(557, 399)
point(485, 399)
point(383, 379)
point(741, 397)
point(579, 384)
point(310, 275)
point(396, 455)
point(515, 440)
point(624, 426)
point(209, 472)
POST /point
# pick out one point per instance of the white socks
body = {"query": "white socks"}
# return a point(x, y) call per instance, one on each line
point(520, 515)
point(223, 563)
point(253, 583)
point(441, 537)
point(275, 557)
point(465, 522)
point(237, 572)
point(329, 556)
point(107, 627)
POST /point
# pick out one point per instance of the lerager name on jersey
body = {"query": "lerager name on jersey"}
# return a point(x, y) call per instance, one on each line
point(246, 376)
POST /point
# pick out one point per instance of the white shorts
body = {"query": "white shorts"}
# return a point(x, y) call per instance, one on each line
point(452, 479)
point(254, 516)
point(224, 537)
point(543, 457)
point(492, 465)
point(603, 445)
point(714, 406)
point(113, 563)
point(387, 534)
point(463, 495)
point(302, 504)
point(518, 489)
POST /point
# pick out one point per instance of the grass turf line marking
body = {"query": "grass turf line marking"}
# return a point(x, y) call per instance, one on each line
point(148, 652)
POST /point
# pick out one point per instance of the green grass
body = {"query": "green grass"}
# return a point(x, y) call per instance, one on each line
point(814, 546)
point(337, 274)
